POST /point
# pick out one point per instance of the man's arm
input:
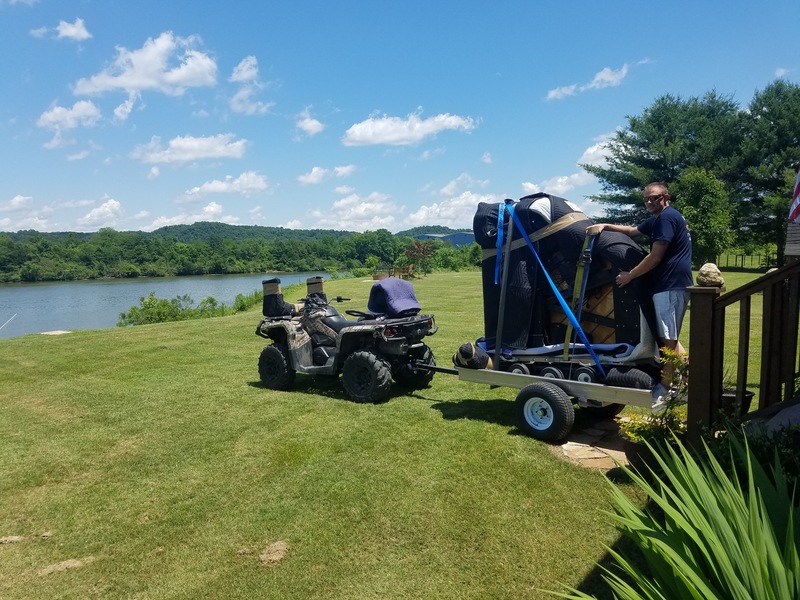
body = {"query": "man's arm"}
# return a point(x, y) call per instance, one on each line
point(649, 262)
point(626, 229)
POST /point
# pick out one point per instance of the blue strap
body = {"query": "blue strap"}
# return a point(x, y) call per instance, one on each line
point(559, 297)
point(500, 214)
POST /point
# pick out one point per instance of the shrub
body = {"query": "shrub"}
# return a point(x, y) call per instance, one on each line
point(707, 535)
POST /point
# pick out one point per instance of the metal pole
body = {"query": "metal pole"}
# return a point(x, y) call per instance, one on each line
point(498, 339)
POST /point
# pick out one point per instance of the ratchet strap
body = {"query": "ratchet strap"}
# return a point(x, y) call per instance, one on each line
point(579, 289)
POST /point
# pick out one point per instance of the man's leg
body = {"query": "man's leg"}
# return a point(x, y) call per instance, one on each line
point(670, 309)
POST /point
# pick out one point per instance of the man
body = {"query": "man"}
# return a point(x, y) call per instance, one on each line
point(670, 265)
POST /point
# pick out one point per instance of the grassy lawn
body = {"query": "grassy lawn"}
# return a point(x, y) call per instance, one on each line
point(149, 462)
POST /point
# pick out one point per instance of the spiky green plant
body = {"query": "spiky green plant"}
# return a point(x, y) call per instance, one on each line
point(704, 534)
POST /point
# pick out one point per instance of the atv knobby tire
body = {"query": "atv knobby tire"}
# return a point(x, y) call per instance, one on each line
point(274, 369)
point(366, 377)
point(545, 412)
point(416, 379)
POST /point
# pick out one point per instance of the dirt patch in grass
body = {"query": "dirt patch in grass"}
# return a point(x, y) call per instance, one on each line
point(274, 553)
point(64, 565)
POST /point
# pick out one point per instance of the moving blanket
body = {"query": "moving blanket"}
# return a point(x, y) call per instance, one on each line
point(533, 317)
point(394, 298)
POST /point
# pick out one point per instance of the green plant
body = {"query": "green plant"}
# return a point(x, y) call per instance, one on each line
point(660, 426)
point(707, 535)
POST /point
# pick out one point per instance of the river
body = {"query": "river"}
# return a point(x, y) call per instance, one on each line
point(67, 305)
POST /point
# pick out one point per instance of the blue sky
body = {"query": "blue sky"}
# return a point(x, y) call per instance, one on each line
point(353, 115)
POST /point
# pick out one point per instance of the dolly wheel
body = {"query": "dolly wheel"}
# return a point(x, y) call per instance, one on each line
point(545, 412)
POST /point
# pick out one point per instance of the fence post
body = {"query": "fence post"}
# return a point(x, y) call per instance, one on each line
point(702, 359)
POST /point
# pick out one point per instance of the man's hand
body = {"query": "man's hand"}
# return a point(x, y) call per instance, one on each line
point(595, 229)
point(624, 278)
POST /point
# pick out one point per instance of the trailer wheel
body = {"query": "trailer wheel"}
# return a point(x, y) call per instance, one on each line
point(585, 375)
point(552, 373)
point(545, 411)
point(274, 369)
point(520, 368)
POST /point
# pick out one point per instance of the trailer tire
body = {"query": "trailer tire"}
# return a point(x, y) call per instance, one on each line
point(545, 412)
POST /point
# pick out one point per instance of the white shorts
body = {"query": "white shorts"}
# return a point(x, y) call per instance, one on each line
point(670, 308)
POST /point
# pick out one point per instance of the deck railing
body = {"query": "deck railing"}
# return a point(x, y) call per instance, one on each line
point(779, 361)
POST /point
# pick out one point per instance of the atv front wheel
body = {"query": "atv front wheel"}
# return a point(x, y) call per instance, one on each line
point(366, 377)
point(274, 369)
point(418, 378)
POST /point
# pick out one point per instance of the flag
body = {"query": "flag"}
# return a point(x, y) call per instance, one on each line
point(794, 209)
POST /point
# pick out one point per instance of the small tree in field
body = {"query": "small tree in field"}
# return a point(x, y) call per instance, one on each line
point(420, 254)
point(704, 203)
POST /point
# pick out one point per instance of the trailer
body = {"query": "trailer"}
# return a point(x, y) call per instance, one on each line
point(556, 325)
point(545, 405)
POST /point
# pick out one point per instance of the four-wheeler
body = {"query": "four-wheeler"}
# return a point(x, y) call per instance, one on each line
point(380, 347)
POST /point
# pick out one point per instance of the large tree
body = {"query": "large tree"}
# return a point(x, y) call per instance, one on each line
point(669, 137)
point(769, 151)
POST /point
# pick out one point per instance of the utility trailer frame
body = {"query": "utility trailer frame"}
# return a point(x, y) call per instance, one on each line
point(545, 404)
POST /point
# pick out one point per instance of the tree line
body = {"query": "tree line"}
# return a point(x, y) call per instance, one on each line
point(215, 248)
point(730, 168)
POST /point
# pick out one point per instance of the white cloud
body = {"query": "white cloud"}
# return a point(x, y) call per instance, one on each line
point(246, 70)
point(78, 155)
point(73, 31)
point(308, 125)
point(606, 77)
point(344, 190)
point(486, 158)
point(313, 177)
point(153, 173)
point(462, 182)
point(39, 32)
point(293, 224)
point(396, 131)
point(17, 203)
point(354, 213)
point(456, 212)
point(105, 215)
point(60, 120)
point(319, 174)
point(781, 72)
point(243, 101)
point(245, 184)
point(185, 149)
point(595, 154)
point(562, 92)
point(123, 111)
point(168, 64)
point(211, 212)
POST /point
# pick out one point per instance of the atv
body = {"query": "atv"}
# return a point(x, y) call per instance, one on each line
point(380, 347)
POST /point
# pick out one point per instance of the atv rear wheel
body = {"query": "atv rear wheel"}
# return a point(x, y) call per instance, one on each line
point(366, 377)
point(416, 379)
point(274, 369)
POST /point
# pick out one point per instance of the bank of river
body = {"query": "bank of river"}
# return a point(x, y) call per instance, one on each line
point(69, 305)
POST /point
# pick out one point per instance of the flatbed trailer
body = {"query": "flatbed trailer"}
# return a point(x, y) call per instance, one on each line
point(545, 405)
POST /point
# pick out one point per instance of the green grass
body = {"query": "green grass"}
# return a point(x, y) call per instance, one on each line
point(153, 455)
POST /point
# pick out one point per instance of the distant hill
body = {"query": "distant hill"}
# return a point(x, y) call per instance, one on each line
point(415, 231)
point(206, 230)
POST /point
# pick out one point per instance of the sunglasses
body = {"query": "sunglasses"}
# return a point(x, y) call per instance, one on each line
point(653, 197)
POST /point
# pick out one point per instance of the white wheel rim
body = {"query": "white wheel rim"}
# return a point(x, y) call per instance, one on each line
point(551, 373)
point(538, 414)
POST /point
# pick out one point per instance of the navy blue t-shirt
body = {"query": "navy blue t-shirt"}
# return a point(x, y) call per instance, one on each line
point(674, 272)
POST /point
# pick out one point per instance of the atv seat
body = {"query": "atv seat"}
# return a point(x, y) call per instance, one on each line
point(337, 322)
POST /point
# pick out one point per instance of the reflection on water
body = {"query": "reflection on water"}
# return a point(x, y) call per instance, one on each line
point(36, 307)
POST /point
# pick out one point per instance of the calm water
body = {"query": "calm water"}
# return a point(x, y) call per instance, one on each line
point(37, 307)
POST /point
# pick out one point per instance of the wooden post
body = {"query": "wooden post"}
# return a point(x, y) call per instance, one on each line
point(702, 403)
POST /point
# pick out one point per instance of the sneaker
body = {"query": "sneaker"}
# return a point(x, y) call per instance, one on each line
point(660, 395)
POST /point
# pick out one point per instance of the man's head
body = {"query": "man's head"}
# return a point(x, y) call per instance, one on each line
point(656, 198)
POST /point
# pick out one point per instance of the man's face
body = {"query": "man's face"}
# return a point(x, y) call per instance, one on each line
point(655, 201)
